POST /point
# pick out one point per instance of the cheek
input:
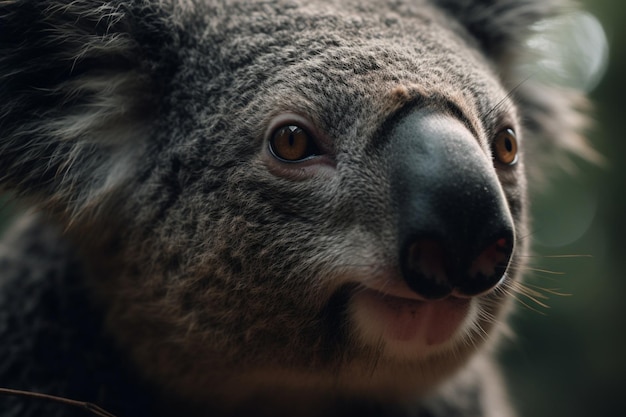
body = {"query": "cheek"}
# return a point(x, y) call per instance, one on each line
point(514, 185)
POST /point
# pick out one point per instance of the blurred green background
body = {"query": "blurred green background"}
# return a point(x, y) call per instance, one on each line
point(570, 359)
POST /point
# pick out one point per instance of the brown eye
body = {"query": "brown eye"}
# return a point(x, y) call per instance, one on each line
point(292, 144)
point(505, 147)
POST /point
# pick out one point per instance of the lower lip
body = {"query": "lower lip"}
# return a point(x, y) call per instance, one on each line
point(422, 323)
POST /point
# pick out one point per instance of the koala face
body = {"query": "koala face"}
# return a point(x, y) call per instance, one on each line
point(326, 210)
point(315, 199)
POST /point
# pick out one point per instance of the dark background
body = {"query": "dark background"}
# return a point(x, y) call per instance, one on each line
point(569, 359)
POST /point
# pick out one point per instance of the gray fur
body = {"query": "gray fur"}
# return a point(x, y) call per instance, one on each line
point(138, 126)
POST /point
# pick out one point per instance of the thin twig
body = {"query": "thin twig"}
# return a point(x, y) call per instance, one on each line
point(96, 410)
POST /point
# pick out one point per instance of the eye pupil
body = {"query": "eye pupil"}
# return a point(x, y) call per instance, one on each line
point(292, 133)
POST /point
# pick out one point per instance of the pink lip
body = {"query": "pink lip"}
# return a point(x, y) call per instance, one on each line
point(411, 319)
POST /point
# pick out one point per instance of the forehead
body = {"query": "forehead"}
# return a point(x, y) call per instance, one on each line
point(340, 63)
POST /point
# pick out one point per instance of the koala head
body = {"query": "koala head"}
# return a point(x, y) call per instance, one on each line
point(284, 199)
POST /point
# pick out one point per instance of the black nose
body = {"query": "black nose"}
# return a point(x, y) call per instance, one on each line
point(454, 226)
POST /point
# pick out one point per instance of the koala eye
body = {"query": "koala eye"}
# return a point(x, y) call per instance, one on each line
point(292, 143)
point(505, 147)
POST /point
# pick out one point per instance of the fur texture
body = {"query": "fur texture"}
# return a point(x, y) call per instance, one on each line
point(175, 266)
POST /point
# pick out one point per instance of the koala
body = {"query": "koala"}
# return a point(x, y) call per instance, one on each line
point(268, 207)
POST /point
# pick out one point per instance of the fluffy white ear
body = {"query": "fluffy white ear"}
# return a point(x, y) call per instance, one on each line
point(76, 84)
point(567, 57)
point(500, 26)
point(555, 117)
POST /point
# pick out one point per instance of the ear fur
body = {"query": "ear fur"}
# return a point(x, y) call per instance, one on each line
point(74, 82)
point(500, 26)
point(554, 118)
point(555, 122)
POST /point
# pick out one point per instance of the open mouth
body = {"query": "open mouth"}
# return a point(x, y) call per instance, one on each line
point(410, 325)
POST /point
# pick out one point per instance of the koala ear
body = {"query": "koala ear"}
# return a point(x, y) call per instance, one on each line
point(554, 117)
point(568, 56)
point(500, 26)
point(76, 85)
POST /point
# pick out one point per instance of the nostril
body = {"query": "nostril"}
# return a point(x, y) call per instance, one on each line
point(488, 268)
point(424, 269)
point(426, 257)
point(489, 261)
point(434, 270)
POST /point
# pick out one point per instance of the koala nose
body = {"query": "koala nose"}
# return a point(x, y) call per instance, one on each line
point(455, 229)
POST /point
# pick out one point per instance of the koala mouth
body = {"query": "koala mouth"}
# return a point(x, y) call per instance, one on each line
point(409, 326)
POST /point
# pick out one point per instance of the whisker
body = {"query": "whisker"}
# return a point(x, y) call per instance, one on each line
point(572, 255)
point(482, 334)
point(509, 94)
point(377, 354)
point(551, 291)
point(543, 270)
point(537, 294)
point(531, 308)
point(528, 306)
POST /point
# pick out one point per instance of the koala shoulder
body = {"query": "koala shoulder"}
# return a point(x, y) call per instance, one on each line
point(51, 330)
